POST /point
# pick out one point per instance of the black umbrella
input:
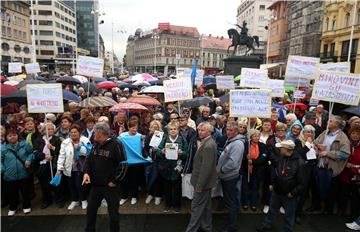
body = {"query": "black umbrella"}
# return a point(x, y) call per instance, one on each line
point(158, 82)
point(22, 84)
point(92, 87)
point(224, 98)
point(196, 102)
point(129, 86)
point(68, 80)
point(353, 110)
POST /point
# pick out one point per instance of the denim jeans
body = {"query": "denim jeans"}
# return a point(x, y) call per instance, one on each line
point(231, 200)
point(323, 180)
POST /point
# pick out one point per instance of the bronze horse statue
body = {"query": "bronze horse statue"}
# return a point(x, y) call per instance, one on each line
point(238, 39)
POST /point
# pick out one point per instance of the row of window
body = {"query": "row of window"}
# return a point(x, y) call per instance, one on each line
point(15, 20)
point(16, 34)
point(347, 21)
point(16, 7)
point(58, 34)
point(344, 48)
point(17, 48)
point(61, 7)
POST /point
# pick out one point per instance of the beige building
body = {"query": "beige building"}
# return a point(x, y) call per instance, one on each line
point(15, 33)
point(55, 34)
point(256, 14)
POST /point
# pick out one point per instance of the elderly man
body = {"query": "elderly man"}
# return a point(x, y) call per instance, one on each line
point(333, 150)
point(321, 116)
point(228, 169)
point(104, 168)
point(203, 179)
point(187, 132)
point(205, 113)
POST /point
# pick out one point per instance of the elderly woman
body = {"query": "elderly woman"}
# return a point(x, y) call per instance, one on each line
point(71, 161)
point(15, 171)
point(294, 131)
point(290, 119)
point(170, 165)
point(64, 129)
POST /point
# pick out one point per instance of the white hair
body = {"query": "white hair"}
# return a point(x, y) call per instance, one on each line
point(291, 116)
point(207, 126)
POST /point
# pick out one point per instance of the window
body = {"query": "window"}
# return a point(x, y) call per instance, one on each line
point(46, 22)
point(44, 3)
point(17, 48)
point(15, 33)
point(262, 7)
point(47, 52)
point(325, 50)
point(26, 50)
point(24, 35)
point(3, 30)
point(5, 46)
point(46, 42)
point(45, 12)
point(332, 49)
point(45, 32)
point(58, 44)
point(327, 24)
point(347, 19)
point(333, 24)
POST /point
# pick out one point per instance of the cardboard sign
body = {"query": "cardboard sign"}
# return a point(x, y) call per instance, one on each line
point(186, 72)
point(276, 87)
point(250, 103)
point(254, 78)
point(44, 98)
point(336, 67)
point(337, 87)
point(177, 89)
point(299, 94)
point(313, 102)
point(300, 70)
point(15, 67)
point(225, 82)
point(90, 66)
point(32, 68)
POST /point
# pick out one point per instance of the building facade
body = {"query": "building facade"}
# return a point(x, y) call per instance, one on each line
point(15, 33)
point(336, 30)
point(256, 14)
point(55, 35)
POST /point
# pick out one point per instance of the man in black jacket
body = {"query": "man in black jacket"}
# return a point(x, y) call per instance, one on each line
point(104, 168)
point(286, 185)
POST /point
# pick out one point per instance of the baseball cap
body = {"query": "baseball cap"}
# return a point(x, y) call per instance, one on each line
point(286, 144)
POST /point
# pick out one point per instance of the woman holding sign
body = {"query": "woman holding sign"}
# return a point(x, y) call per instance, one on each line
point(172, 154)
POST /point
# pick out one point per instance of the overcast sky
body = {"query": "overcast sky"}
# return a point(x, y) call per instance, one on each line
point(209, 16)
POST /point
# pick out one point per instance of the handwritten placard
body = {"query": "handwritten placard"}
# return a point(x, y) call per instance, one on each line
point(337, 87)
point(177, 89)
point(299, 94)
point(225, 82)
point(44, 98)
point(250, 103)
point(90, 66)
point(254, 78)
point(186, 72)
point(336, 67)
point(276, 87)
point(313, 102)
point(300, 70)
point(32, 68)
point(15, 67)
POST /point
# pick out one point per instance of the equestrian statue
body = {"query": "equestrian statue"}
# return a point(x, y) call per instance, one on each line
point(242, 39)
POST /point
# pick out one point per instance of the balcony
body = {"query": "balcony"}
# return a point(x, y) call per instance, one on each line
point(329, 57)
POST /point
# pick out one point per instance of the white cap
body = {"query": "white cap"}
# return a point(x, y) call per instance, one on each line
point(286, 144)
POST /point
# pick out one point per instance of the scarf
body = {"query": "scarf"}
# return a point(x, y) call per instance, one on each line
point(254, 154)
point(28, 139)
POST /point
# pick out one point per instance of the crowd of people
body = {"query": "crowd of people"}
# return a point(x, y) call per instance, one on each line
point(289, 163)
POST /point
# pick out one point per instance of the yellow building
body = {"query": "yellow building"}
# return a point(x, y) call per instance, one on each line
point(337, 22)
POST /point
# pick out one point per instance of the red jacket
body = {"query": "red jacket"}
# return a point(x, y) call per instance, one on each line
point(354, 158)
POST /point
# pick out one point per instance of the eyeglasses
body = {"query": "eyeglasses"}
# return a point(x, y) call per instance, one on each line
point(172, 129)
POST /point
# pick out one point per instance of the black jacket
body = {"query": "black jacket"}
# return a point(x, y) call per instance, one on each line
point(287, 175)
point(39, 155)
point(105, 163)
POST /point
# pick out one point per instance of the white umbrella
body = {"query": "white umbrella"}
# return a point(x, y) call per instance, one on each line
point(142, 83)
point(12, 83)
point(82, 79)
point(153, 89)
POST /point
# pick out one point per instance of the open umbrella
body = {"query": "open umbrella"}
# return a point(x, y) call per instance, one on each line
point(2, 78)
point(153, 89)
point(92, 87)
point(141, 83)
point(353, 110)
point(70, 96)
point(144, 100)
point(6, 89)
point(106, 85)
point(98, 79)
point(143, 77)
point(12, 83)
point(302, 106)
point(209, 80)
point(196, 102)
point(82, 79)
point(68, 80)
point(224, 98)
point(100, 101)
point(158, 82)
point(129, 107)
point(14, 78)
point(123, 86)
point(22, 85)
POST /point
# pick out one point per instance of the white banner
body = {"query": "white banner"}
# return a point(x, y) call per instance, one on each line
point(225, 82)
point(300, 70)
point(337, 87)
point(254, 78)
point(32, 68)
point(299, 94)
point(186, 72)
point(90, 66)
point(277, 88)
point(336, 67)
point(15, 67)
point(313, 102)
point(250, 103)
point(44, 98)
point(177, 89)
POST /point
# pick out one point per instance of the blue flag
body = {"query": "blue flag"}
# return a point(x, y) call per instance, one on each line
point(133, 148)
point(193, 72)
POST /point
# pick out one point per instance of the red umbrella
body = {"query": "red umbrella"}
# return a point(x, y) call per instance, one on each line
point(2, 78)
point(144, 100)
point(106, 85)
point(7, 89)
point(133, 107)
point(302, 106)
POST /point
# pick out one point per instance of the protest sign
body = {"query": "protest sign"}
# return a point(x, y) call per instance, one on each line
point(336, 67)
point(299, 94)
point(177, 89)
point(313, 102)
point(90, 66)
point(337, 87)
point(15, 67)
point(250, 103)
point(186, 72)
point(300, 70)
point(276, 87)
point(44, 98)
point(32, 68)
point(254, 78)
point(225, 82)
point(156, 138)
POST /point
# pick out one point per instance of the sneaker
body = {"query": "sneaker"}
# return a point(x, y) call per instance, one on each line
point(11, 213)
point(157, 200)
point(122, 201)
point(133, 201)
point(352, 226)
point(84, 204)
point(26, 211)
point(104, 203)
point(73, 204)
point(167, 209)
point(266, 209)
point(282, 210)
point(148, 199)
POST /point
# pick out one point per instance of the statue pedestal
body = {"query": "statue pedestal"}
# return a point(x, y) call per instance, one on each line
point(233, 64)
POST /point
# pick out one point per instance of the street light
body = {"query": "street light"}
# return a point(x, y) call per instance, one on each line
point(155, 36)
point(97, 13)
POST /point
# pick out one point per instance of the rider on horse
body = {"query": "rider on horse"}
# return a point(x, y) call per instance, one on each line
point(244, 30)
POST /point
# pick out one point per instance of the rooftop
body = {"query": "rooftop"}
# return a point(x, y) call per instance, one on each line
point(177, 30)
point(215, 42)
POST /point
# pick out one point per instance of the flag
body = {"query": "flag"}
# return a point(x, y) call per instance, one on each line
point(193, 73)
point(133, 148)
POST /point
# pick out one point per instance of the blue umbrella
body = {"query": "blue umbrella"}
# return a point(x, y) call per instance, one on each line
point(123, 86)
point(70, 96)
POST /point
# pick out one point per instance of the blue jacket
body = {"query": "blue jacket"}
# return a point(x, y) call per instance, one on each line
point(11, 168)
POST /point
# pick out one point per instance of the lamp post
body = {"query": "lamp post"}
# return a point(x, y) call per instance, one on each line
point(202, 50)
point(97, 13)
point(33, 33)
point(75, 52)
point(155, 36)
